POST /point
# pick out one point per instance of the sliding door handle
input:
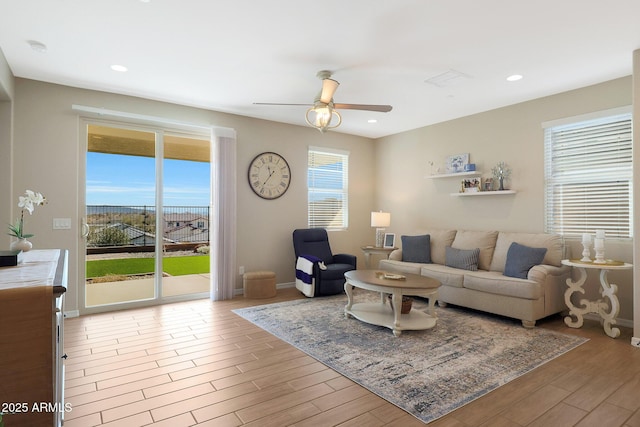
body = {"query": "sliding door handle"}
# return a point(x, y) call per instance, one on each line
point(85, 228)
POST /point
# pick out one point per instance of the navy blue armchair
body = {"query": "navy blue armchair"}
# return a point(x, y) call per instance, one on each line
point(314, 242)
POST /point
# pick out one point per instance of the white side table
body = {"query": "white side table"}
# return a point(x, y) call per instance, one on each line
point(608, 311)
point(377, 250)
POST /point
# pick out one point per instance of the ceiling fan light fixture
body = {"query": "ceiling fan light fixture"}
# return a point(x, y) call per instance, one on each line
point(321, 115)
point(329, 87)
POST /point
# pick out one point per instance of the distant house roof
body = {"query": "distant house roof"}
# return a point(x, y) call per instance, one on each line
point(183, 217)
point(187, 233)
point(135, 235)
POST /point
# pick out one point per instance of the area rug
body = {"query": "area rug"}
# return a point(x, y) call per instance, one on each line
point(427, 373)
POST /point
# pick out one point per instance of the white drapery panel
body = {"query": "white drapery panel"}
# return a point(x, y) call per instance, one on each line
point(223, 208)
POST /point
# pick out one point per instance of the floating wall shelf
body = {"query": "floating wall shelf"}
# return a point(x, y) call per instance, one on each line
point(451, 175)
point(485, 193)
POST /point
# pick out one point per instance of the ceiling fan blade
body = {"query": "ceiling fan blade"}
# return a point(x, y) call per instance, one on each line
point(277, 103)
point(380, 108)
point(329, 87)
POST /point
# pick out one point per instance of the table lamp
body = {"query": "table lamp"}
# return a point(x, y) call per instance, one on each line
point(380, 220)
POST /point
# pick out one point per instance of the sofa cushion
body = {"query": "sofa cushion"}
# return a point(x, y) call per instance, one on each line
point(465, 259)
point(553, 243)
point(416, 248)
point(484, 240)
point(440, 239)
point(447, 276)
point(494, 282)
point(521, 258)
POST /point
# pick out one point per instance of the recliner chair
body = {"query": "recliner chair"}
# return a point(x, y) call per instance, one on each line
point(315, 242)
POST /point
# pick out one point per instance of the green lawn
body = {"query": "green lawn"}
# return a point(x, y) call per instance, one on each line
point(175, 266)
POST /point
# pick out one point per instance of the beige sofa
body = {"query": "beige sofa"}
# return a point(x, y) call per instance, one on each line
point(539, 294)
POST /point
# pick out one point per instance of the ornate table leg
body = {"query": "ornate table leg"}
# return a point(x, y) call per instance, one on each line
point(577, 312)
point(432, 304)
point(367, 260)
point(396, 302)
point(609, 318)
point(348, 289)
point(608, 307)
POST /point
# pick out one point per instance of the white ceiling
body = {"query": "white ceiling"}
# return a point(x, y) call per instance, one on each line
point(225, 55)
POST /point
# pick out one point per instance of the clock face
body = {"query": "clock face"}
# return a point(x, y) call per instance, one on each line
point(269, 175)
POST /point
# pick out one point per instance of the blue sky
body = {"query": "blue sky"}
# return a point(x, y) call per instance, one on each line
point(114, 179)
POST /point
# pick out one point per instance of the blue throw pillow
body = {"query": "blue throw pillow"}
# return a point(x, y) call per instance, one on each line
point(466, 259)
point(521, 258)
point(416, 248)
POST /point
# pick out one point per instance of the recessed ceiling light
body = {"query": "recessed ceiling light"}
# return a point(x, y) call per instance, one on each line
point(119, 68)
point(514, 78)
point(372, 121)
point(37, 46)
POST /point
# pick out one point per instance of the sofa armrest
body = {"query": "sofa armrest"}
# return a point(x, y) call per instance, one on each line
point(539, 273)
point(396, 255)
point(345, 259)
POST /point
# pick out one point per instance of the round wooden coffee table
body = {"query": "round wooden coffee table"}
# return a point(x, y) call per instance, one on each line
point(397, 285)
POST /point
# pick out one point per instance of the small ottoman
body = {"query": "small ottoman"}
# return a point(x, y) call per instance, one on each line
point(259, 284)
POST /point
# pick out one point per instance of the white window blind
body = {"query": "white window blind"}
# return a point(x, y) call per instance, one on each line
point(588, 174)
point(328, 172)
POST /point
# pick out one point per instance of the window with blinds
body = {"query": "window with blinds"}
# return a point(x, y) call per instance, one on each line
point(328, 172)
point(588, 177)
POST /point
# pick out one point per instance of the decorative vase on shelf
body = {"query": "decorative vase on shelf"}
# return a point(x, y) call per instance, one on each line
point(501, 172)
point(22, 244)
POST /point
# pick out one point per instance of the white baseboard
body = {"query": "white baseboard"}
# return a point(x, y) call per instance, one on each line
point(72, 313)
point(286, 285)
point(626, 323)
point(635, 341)
point(240, 291)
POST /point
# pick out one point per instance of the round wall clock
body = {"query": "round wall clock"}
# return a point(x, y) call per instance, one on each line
point(269, 175)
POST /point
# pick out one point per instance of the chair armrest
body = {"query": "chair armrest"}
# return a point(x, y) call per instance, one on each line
point(345, 259)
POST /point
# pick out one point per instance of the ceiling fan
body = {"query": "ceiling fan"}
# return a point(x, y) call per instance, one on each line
point(323, 109)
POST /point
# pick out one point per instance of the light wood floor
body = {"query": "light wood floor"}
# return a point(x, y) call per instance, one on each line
point(197, 363)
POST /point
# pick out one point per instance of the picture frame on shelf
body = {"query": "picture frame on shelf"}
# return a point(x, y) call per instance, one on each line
point(471, 185)
point(487, 184)
point(456, 162)
point(389, 240)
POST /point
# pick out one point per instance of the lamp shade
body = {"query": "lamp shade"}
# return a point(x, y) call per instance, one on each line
point(380, 219)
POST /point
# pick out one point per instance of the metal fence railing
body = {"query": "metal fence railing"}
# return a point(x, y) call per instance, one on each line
point(111, 225)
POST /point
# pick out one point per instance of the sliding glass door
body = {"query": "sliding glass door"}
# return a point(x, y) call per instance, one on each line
point(147, 215)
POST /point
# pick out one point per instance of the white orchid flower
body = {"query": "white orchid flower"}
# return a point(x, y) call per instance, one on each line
point(36, 198)
point(30, 200)
point(25, 203)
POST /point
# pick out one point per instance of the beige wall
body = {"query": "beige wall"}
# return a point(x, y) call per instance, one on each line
point(513, 134)
point(49, 158)
point(6, 108)
point(636, 194)
point(6, 79)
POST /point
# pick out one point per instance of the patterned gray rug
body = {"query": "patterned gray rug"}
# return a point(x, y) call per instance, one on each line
point(427, 373)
